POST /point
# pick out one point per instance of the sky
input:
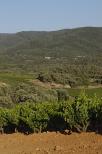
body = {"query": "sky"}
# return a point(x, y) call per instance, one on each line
point(48, 15)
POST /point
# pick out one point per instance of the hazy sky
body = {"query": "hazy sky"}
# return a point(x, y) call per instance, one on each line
point(19, 15)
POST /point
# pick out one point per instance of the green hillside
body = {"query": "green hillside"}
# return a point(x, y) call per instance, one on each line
point(72, 54)
point(25, 49)
point(57, 43)
point(34, 66)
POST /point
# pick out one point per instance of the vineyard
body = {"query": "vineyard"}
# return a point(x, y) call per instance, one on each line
point(80, 114)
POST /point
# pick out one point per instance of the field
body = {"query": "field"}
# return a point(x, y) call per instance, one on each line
point(90, 92)
point(15, 78)
point(51, 143)
point(19, 87)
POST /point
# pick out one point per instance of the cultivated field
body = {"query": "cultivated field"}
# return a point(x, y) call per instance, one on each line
point(51, 143)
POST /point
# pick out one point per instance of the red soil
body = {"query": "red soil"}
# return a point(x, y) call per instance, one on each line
point(51, 143)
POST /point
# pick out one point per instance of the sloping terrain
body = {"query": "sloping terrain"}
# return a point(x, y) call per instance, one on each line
point(71, 42)
point(77, 41)
point(39, 51)
point(69, 58)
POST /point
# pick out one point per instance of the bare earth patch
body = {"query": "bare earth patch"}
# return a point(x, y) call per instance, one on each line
point(51, 143)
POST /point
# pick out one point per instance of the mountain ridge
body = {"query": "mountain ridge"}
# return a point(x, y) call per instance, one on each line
point(31, 47)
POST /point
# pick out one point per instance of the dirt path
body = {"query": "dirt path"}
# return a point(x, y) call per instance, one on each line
point(51, 143)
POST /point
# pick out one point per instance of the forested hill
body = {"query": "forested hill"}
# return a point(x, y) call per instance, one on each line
point(69, 42)
point(34, 65)
point(30, 50)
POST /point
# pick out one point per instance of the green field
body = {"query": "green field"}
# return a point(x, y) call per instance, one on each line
point(15, 78)
point(89, 92)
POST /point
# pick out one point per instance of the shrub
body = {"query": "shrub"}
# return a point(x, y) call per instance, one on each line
point(81, 106)
point(62, 95)
point(79, 114)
